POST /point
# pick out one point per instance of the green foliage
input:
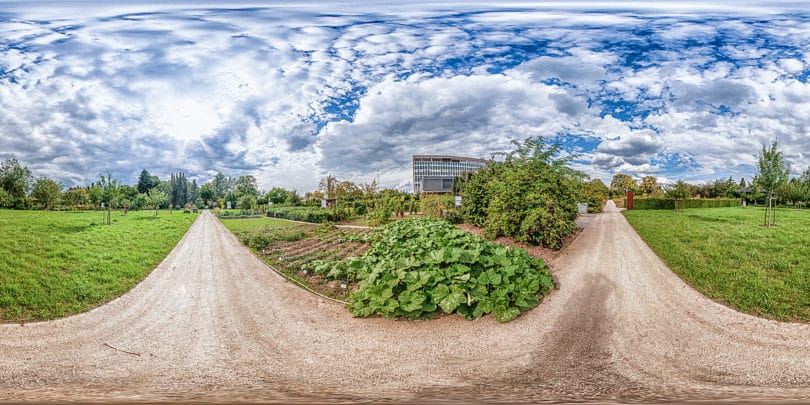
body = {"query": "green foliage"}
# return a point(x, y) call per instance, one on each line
point(381, 214)
point(772, 170)
point(724, 255)
point(531, 196)
point(678, 193)
point(46, 192)
point(5, 198)
point(247, 202)
point(669, 204)
point(54, 264)
point(146, 181)
point(594, 193)
point(621, 184)
point(420, 267)
point(359, 207)
point(261, 240)
point(246, 186)
point(310, 214)
point(435, 205)
point(155, 199)
point(246, 213)
point(649, 187)
point(16, 180)
point(277, 195)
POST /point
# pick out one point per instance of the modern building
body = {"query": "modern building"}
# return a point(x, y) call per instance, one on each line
point(435, 173)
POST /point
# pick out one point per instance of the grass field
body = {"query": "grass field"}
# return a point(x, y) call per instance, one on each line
point(728, 255)
point(54, 264)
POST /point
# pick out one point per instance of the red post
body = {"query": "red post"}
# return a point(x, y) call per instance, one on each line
point(629, 204)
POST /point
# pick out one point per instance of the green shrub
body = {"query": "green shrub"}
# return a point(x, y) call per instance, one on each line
point(669, 204)
point(310, 214)
point(434, 205)
point(530, 196)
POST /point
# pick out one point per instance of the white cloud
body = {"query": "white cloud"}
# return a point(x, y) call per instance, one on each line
point(290, 93)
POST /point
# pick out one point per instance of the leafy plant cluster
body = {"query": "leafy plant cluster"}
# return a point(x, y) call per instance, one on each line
point(310, 214)
point(669, 204)
point(594, 193)
point(261, 240)
point(239, 214)
point(531, 196)
point(422, 266)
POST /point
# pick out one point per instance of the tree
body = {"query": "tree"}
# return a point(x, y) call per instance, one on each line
point(46, 192)
point(276, 195)
point(155, 199)
point(179, 189)
point(292, 198)
point(327, 185)
point(222, 185)
point(245, 186)
point(16, 180)
point(678, 192)
point(147, 182)
point(207, 192)
point(649, 186)
point(75, 196)
point(622, 184)
point(772, 172)
point(109, 192)
point(193, 191)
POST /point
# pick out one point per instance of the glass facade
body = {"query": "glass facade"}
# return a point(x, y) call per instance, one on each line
point(435, 173)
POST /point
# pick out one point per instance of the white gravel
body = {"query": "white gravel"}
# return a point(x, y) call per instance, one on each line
point(213, 323)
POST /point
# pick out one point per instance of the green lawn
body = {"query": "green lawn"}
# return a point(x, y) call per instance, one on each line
point(54, 264)
point(237, 225)
point(728, 255)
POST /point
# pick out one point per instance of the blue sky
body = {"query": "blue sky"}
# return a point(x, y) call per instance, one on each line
point(290, 92)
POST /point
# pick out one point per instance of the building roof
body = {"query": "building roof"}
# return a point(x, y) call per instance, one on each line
point(448, 157)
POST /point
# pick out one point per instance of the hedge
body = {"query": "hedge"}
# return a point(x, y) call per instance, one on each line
point(310, 214)
point(667, 204)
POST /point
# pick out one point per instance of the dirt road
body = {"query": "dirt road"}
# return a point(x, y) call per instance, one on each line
point(212, 323)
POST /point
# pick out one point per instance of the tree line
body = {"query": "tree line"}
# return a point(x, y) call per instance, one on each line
point(20, 189)
point(771, 183)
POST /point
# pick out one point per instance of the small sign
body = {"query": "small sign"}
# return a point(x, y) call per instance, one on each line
point(323, 203)
point(458, 201)
point(228, 204)
point(582, 208)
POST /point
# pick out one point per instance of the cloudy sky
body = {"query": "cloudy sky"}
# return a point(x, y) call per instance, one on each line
point(292, 91)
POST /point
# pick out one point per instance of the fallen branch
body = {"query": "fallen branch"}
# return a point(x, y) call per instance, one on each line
point(117, 349)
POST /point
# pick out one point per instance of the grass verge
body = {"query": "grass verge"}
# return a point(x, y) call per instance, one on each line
point(54, 264)
point(729, 256)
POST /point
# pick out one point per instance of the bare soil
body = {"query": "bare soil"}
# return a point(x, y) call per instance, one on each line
point(213, 324)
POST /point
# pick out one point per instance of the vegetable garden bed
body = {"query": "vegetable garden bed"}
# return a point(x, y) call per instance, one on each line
point(413, 268)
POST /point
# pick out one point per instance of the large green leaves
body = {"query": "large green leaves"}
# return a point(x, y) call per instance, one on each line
point(419, 267)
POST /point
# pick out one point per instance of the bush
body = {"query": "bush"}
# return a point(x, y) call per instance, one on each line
point(434, 205)
point(422, 266)
point(530, 196)
point(315, 215)
point(223, 214)
point(669, 204)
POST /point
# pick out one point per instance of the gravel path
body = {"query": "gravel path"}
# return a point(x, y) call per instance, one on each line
point(212, 323)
